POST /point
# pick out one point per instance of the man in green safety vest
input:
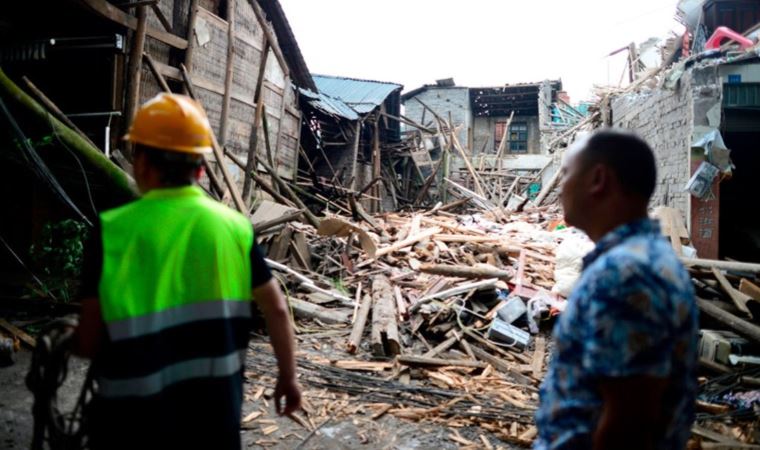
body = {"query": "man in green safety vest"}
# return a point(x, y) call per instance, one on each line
point(168, 283)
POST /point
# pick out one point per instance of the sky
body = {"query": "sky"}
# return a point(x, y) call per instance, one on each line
point(476, 42)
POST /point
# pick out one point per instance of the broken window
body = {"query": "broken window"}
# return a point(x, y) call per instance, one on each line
point(518, 138)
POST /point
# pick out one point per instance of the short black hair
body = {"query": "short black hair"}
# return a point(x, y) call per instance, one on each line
point(629, 157)
point(176, 168)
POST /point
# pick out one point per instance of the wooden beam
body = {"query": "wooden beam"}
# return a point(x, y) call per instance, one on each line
point(228, 72)
point(134, 70)
point(191, 15)
point(410, 360)
point(741, 326)
point(261, 182)
point(114, 14)
point(739, 299)
point(384, 337)
point(723, 265)
point(361, 321)
point(355, 163)
point(269, 36)
point(18, 332)
point(218, 153)
point(55, 110)
point(161, 17)
point(156, 73)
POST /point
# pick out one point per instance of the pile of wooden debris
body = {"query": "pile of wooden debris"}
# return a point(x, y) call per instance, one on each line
point(435, 305)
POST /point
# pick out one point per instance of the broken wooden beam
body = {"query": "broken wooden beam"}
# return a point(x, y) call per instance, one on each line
point(354, 340)
point(407, 242)
point(308, 310)
point(462, 271)
point(723, 265)
point(384, 338)
point(739, 325)
point(264, 226)
point(410, 360)
point(739, 299)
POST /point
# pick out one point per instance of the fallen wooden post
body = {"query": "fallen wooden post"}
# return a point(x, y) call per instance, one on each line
point(739, 299)
point(477, 271)
point(308, 310)
point(384, 337)
point(361, 321)
point(741, 326)
point(410, 360)
point(723, 265)
point(264, 226)
point(407, 242)
point(18, 332)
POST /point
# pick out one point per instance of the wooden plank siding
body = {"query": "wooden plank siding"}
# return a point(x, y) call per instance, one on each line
point(208, 74)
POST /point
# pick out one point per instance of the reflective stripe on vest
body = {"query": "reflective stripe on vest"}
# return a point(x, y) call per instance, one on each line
point(172, 259)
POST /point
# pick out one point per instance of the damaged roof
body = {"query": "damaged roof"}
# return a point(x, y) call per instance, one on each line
point(362, 96)
point(328, 105)
point(499, 101)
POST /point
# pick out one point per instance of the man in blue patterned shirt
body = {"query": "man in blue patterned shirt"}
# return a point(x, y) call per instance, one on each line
point(623, 374)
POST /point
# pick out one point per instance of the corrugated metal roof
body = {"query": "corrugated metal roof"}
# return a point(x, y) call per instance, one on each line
point(329, 105)
point(361, 95)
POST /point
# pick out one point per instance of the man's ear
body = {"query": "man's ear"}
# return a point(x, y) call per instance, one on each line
point(598, 179)
point(199, 172)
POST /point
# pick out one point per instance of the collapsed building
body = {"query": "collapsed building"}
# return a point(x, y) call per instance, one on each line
point(239, 59)
point(699, 111)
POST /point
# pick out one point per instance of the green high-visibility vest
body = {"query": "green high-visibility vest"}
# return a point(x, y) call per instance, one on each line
point(174, 260)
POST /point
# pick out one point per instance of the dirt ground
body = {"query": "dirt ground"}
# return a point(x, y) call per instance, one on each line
point(357, 432)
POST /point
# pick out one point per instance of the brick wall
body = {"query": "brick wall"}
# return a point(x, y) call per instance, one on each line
point(664, 119)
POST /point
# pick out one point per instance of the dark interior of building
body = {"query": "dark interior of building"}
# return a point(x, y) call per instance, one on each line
point(739, 212)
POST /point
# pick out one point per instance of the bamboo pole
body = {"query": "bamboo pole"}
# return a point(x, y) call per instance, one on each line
point(122, 183)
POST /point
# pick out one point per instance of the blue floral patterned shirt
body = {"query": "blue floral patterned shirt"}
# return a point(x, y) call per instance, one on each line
point(633, 312)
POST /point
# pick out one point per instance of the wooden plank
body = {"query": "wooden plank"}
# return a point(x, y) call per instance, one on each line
point(253, 143)
point(354, 340)
point(18, 332)
point(410, 360)
point(749, 288)
point(739, 299)
point(407, 242)
point(538, 356)
point(111, 12)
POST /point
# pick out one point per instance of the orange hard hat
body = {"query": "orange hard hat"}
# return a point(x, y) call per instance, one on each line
point(172, 122)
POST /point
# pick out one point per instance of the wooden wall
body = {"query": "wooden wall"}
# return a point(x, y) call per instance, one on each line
point(208, 71)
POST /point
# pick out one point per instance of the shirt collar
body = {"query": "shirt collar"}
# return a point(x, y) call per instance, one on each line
point(620, 234)
point(175, 192)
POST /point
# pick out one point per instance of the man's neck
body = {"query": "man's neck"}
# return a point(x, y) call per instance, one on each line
point(610, 222)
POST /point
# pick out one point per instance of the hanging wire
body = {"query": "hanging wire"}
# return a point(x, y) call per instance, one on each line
point(39, 166)
point(79, 162)
point(21, 262)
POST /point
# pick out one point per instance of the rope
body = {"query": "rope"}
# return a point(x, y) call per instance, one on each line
point(48, 371)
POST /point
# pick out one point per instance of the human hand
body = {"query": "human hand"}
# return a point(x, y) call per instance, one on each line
point(288, 388)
